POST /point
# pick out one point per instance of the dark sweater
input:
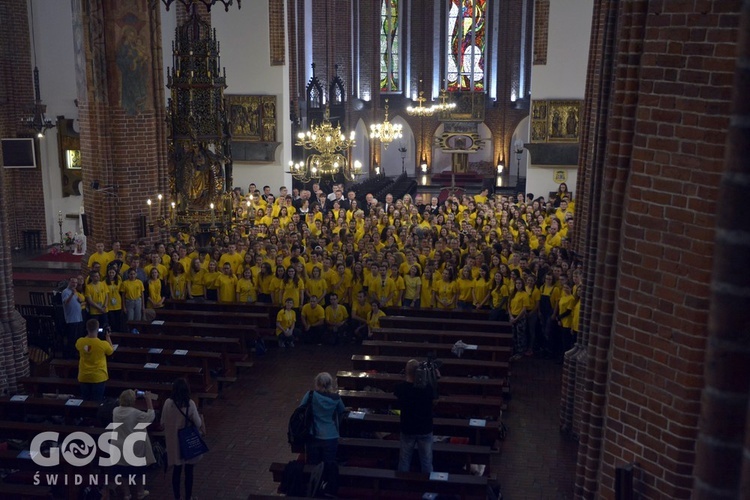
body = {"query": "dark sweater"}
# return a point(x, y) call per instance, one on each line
point(415, 404)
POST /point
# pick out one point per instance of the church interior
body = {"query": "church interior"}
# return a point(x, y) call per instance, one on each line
point(133, 120)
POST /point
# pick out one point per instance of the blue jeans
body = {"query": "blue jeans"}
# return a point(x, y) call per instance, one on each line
point(93, 392)
point(321, 450)
point(423, 443)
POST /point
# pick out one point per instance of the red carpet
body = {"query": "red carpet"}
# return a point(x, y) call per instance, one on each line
point(59, 257)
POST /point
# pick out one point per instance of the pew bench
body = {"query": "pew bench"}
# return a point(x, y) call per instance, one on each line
point(484, 432)
point(438, 323)
point(450, 455)
point(364, 482)
point(358, 380)
point(441, 337)
point(472, 315)
point(463, 406)
point(260, 319)
point(247, 334)
point(443, 350)
point(451, 366)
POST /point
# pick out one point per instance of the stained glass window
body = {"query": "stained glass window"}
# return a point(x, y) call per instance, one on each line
point(466, 44)
point(389, 46)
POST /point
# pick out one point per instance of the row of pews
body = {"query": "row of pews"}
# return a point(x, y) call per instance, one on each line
point(473, 392)
point(206, 348)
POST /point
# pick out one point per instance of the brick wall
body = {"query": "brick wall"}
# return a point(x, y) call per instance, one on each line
point(23, 187)
point(118, 149)
point(15, 90)
point(666, 129)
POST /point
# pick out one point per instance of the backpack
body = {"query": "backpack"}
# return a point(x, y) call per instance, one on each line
point(427, 375)
point(324, 480)
point(292, 480)
point(260, 347)
point(301, 424)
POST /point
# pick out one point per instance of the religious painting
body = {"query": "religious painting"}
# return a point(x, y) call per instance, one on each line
point(252, 117)
point(470, 107)
point(389, 46)
point(563, 121)
point(539, 121)
point(128, 32)
point(466, 42)
point(452, 142)
point(69, 154)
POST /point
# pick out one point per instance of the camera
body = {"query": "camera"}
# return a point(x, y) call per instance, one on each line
point(140, 394)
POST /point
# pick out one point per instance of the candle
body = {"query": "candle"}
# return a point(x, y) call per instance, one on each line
point(158, 208)
point(148, 202)
point(59, 217)
point(213, 214)
point(172, 212)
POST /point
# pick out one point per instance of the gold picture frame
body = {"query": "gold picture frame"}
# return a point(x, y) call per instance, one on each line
point(252, 117)
point(557, 121)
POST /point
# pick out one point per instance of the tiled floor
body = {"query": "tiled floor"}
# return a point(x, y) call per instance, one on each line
point(247, 429)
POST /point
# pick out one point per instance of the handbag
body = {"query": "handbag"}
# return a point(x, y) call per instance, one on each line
point(192, 444)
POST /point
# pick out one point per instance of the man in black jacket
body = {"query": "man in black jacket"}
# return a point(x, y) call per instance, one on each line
point(416, 420)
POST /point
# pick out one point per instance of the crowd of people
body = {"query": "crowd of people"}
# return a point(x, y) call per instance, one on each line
point(332, 265)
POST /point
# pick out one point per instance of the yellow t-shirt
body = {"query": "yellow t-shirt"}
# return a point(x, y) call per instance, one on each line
point(482, 289)
point(316, 287)
point(102, 258)
point(373, 319)
point(411, 285)
point(114, 297)
point(292, 291)
point(465, 290)
point(446, 291)
point(567, 303)
point(285, 319)
point(361, 310)
point(92, 365)
point(312, 316)
point(154, 293)
point(226, 286)
point(196, 280)
point(133, 289)
point(246, 290)
point(179, 286)
point(519, 301)
point(425, 296)
point(98, 294)
point(336, 316)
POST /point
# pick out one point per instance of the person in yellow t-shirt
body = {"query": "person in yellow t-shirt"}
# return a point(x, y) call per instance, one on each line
point(465, 289)
point(196, 280)
point(209, 280)
point(499, 299)
point(226, 284)
point(286, 320)
point(381, 286)
point(315, 285)
point(564, 315)
point(135, 305)
point(360, 311)
point(92, 365)
point(100, 256)
point(412, 287)
point(446, 291)
point(427, 292)
point(293, 287)
point(398, 297)
point(155, 290)
point(263, 283)
point(373, 319)
point(313, 321)
point(246, 291)
point(518, 309)
point(97, 298)
point(178, 282)
point(483, 289)
point(114, 300)
point(336, 320)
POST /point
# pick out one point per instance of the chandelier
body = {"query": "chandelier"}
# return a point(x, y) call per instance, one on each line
point(331, 146)
point(421, 110)
point(444, 105)
point(386, 131)
point(207, 3)
point(35, 119)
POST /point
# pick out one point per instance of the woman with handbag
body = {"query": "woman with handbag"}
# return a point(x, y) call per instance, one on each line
point(327, 408)
point(130, 417)
point(180, 418)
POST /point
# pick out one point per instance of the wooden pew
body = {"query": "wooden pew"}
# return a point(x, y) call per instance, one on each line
point(113, 388)
point(10, 410)
point(438, 323)
point(136, 373)
point(473, 314)
point(247, 334)
point(217, 307)
point(451, 456)
point(441, 337)
point(442, 350)
point(231, 349)
point(27, 430)
point(260, 319)
point(358, 380)
point(485, 432)
point(364, 482)
point(206, 360)
point(450, 367)
point(464, 406)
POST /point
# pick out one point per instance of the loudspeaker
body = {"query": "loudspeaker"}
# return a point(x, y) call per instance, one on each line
point(85, 224)
point(141, 226)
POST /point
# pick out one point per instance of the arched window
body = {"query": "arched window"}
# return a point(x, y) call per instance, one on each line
point(390, 42)
point(466, 45)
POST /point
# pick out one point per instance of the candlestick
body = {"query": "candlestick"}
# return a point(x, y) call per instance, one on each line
point(172, 212)
point(158, 208)
point(148, 202)
point(213, 214)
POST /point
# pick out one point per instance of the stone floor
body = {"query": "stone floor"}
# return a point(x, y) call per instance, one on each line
point(247, 429)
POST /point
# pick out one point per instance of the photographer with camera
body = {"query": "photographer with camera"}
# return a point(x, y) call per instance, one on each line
point(415, 403)
point(129, 417)
point(92, 364)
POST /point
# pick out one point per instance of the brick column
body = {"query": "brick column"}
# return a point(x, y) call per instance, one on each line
point(719, 457)
point(121, 113)
point(16, 90)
